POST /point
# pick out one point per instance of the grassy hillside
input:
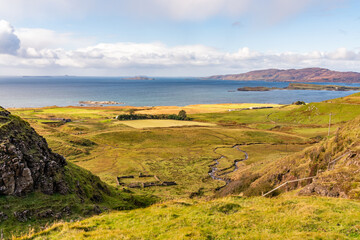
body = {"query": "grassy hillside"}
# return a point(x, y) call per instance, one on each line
point(83, 194)
point(88, 196)
point(282, 143)
point(286, 217)
point(334, 164)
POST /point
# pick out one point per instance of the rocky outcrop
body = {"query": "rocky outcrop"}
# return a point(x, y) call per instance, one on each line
point(323, 190)
point(294, 75)
point(27, 163)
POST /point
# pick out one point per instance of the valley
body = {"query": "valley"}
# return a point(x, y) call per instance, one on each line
point(221, 152)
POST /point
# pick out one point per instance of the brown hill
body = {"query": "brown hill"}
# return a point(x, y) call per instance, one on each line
point(294, 75)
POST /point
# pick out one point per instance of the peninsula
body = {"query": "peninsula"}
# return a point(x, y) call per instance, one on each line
point(293, 75)
point(302, 86)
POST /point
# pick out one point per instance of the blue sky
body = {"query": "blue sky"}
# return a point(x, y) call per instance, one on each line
point(176, 37)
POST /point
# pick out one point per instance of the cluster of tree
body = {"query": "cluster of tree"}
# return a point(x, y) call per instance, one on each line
point(299, 103)
point(131, 116)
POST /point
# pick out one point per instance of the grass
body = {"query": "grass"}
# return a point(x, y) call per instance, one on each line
point(159, 123)
point(203, 108)
point(318, 113)
point(286, 217)
point(109, 148)
point(80, 202)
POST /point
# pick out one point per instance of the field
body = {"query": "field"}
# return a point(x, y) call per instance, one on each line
point(286, 217)
point(183, 151)
point(174, 151)
point(180, 151)
point(160, 123)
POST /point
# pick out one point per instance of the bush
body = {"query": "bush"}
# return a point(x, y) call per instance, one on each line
point(132, 116)
point(299, 103)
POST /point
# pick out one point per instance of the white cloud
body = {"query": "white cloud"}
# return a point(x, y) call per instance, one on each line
point(40, 38)
point(9, 42)
point(159, 59)
point(40, 52)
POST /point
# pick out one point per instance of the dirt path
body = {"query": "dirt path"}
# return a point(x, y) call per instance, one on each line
point(214, 168)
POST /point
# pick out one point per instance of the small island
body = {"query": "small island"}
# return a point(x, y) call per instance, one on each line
point(99, 103)
point(139, 78)
point(302, 86)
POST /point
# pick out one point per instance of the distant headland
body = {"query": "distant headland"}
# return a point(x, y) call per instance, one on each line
point(293, 75)
point(301, 86)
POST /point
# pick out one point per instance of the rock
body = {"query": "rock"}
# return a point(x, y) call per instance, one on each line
point(22, 216)
point(66, 211)
point(96, 198)
point(97, 209)
point(4, 113)
point(3, 216)
point(8, 179)
point(24, 182)
point(322, 190)
point(45, 214)
point(62, 187)
point(26, 162)
point(58, 215)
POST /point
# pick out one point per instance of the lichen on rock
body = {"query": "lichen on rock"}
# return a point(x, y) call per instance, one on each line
point(27, 163)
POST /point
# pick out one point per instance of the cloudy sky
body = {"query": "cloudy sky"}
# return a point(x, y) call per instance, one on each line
point(176, 37)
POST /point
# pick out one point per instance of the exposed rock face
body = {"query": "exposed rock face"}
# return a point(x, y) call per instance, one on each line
point(294, 75)
point(323, 190)
point(26, 162)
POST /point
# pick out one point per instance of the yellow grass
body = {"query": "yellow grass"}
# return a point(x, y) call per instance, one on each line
point(162, 123)
point(203, 108)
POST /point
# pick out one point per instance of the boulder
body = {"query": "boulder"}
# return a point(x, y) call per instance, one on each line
point(27, 163)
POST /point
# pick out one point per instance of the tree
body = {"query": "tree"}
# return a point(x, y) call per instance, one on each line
point(182, 115)
point(299, 103)
point(131, 111)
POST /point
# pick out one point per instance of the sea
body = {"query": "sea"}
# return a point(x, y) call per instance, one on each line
point(18, 92)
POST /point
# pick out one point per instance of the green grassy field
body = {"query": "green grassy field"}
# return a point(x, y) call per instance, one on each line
point(286, 217)
point(166, 148)
point(159, 123)
point(175, 152)
point(184, 154)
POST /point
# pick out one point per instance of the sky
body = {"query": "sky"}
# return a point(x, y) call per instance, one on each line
point(176, 37)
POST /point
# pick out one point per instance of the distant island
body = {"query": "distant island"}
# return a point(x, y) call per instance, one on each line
point(99, 103)
point(302, 86)
point(293, 75)
point(138, 78)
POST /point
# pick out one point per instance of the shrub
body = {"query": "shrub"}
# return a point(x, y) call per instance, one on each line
point(132, 116)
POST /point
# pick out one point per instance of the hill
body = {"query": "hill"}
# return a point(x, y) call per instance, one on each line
point(293, 75)
point(38, 186)
point(330, 168)
point(302, 86)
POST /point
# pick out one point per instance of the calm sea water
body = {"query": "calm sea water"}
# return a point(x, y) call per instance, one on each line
point(65, 91)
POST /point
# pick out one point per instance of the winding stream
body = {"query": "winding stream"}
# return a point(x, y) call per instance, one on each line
point(214, 168)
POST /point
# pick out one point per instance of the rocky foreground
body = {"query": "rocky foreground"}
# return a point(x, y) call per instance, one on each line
point(26, 162)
